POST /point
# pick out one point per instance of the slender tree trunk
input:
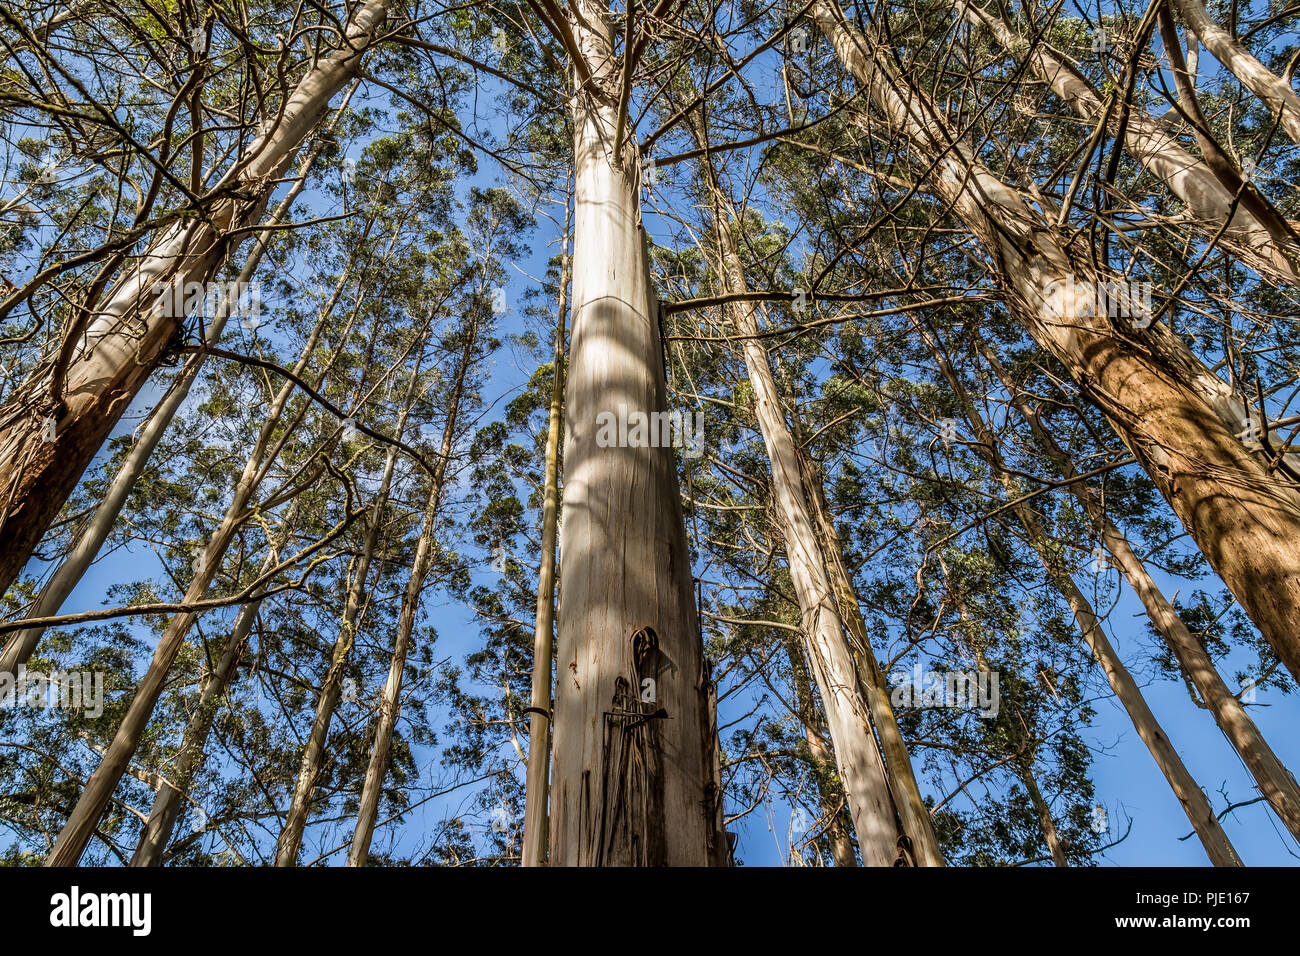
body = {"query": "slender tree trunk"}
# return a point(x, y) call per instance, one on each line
point(1177, 418)
point(907, 794)
point(22, 645)
point(111, 354)
point(1217, 845)
point(391, 698)
point(831, 799)
point(99, 789)
point(1274, 91)
point(1256, 235)
point(857, 756)
point(1024, 762)
point(170, 799)
point(632, 778)
point(1045, 821)
point(539, 720)
point(1194, 803)
point(1271, 776)
point(331, 690)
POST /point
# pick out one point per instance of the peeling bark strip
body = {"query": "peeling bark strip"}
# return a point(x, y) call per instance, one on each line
point(624, 563)
point(633, 771)
point(1178, 418)
point(130, 334)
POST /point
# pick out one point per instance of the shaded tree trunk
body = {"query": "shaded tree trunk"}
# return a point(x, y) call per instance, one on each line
point(627, 610)
point(857, 756)
point(170, 799)
point(830, 798)
point(1271, 776)
point(915, 815)
point(22, 645)
point(1194, 803)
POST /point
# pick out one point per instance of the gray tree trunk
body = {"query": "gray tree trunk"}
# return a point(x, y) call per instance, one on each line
point(632, 778)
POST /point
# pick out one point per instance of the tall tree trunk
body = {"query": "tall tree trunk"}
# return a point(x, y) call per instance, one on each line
point(1177, 418)
point(331, 689)
point(1193, 800)
point(539, 721)
point(915, 815)
point(1275, 782)
point(831, 799)
point(1194, 803)
point(632, 779)
point(857, 756)
point(99, 788)
point(1256, 234)
point(1045, 821)
point(109, 354)
point(390, 700)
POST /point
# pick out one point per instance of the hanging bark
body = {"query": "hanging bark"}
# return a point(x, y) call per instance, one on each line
point(109, 354)
point(627, 603)
point(1275, 782)
point(1193, 800)
point(539, 721)
point(1177, 418)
